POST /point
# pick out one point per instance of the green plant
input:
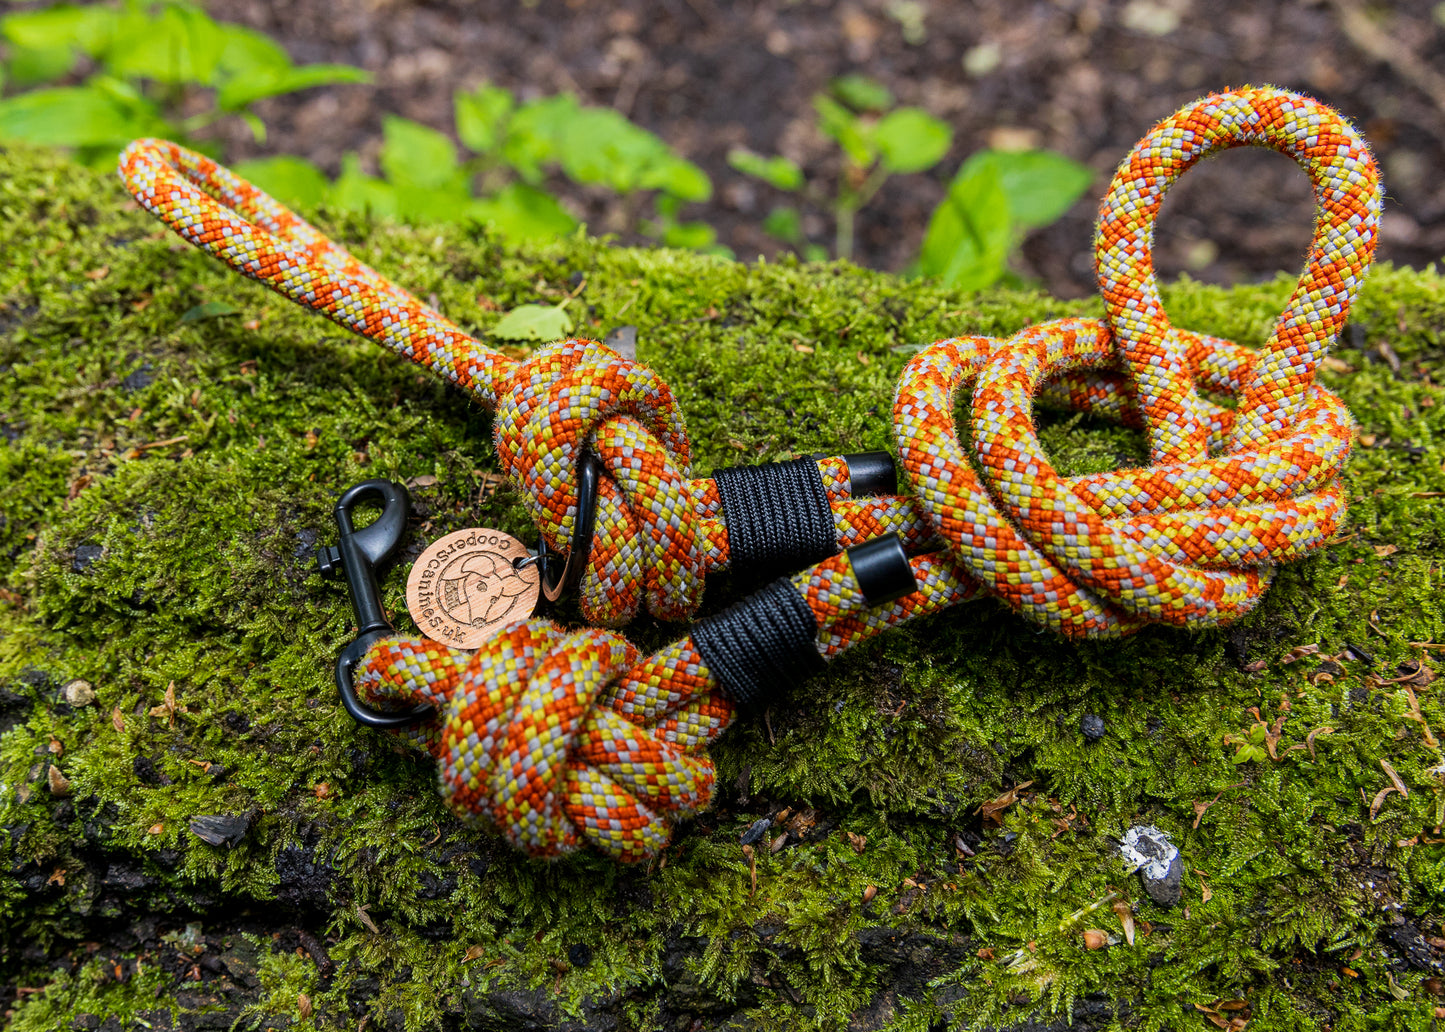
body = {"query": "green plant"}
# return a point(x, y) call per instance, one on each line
point(144, 57)
point(512, 147)
point(147, 56)
point(995, 197)
point(877, 140)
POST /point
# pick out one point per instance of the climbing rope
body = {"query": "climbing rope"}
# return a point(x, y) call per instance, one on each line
point(561, 738)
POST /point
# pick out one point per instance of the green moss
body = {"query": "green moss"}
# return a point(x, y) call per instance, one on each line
point(1293, 892)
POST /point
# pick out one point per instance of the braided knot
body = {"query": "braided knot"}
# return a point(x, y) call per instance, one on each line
point(645, 546)
point(1193, 538)
point(526, 738)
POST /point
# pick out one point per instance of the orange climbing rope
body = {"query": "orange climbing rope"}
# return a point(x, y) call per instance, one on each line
point(561, 738)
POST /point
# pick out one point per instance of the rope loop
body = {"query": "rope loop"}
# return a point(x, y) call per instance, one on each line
point(1348, 200)
point(646, 548)
point(1191, 540)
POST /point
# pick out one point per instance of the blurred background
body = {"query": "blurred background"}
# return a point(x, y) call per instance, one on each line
point(968, 141)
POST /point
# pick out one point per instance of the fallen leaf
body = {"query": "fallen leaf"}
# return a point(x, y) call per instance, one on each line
point(168, 708)
point(869, 893)
point(58, 782)
point(1299, 652)
point(1206, 891)
point(1368, 440)
point(534, 322)
point(117, 719)
point(473, 952)
point(1095, 938)
point(425, 480)
point(156, 829)
point(98, 274)
point(1388, 354)
point(1418, 716)
point(1125, 914)
point(991, 809)
point(303, 1005)
point(1380, 800)
point(856, 841)
point(986, 953)
point(1395, 778)
point(1310, 738)
point(366, 920)
point(209, 310)
point(1384, 550)
point(804, 348)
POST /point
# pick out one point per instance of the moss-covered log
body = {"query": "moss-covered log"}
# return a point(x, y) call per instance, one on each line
point(173, 439)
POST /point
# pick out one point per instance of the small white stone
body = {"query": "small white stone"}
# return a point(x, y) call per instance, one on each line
point(1153, 866)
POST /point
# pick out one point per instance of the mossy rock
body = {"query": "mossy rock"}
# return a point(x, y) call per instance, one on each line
point(173, 439)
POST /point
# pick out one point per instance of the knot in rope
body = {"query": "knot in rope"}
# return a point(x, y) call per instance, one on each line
point(645, 546)
point(526, 737)
point(1192, 539)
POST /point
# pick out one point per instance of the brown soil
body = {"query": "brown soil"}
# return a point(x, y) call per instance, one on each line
point(1085, 77)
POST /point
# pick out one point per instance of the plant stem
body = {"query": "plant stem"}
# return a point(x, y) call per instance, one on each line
point(847, 207)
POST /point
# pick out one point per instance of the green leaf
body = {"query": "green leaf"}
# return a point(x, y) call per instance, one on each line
point(293, 181)
point(694, 236)
point(533, 322)
point(443, 202)
point(522, 212)
point(861, 93)
point(785, 224)
point(248, 52)
point(968, 235)
point(181, 45)
point(1041, 185)
point(62, 26)
point(30, 66)
point(481, 116)
point(678, 177)
point(416, 155)
point(354, 190)
point(74, 116)
point(911, 140)
point(236, 93)
point(209, 310)
point(538, 133)
point(841, 125)
point(776, 171)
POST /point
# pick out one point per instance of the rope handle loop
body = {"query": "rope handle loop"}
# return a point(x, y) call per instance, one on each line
point(1348, 199)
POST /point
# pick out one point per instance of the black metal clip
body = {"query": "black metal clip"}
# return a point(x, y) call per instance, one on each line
point(589, 473)
point(356, 558)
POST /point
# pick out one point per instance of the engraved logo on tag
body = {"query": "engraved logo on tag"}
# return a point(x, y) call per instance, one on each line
point(466, 585)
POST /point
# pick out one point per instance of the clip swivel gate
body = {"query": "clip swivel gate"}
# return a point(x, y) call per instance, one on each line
point(356, 558)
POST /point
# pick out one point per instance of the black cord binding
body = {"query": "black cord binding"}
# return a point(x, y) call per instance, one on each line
point(778, 516)
point(764, 644)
